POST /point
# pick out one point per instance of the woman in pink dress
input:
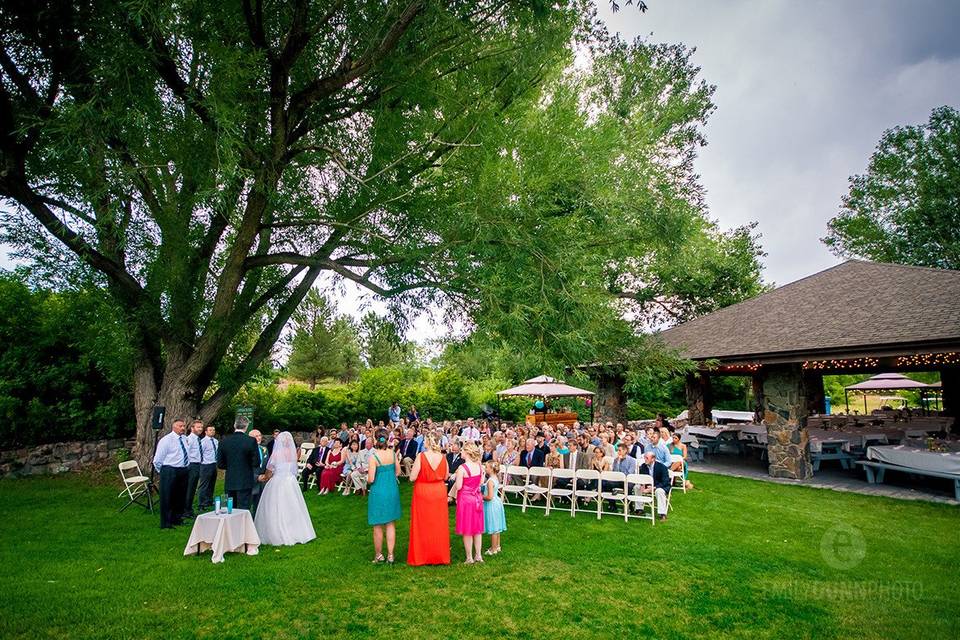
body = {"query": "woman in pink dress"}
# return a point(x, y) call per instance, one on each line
point(333, 469)
point(470, 502)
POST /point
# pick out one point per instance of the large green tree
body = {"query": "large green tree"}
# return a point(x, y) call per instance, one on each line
point(206, 163)
point(906, 207)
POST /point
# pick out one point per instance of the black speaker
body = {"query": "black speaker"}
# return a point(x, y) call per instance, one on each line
point(158, 414)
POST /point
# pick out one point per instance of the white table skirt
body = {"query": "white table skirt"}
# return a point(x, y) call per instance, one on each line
point(913, 458)
point(223, 533)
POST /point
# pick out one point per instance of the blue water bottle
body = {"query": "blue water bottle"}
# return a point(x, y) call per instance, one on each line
point(216, 504)
point(230, 504)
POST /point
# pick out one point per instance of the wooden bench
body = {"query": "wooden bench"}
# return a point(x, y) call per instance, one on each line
point(876, 470)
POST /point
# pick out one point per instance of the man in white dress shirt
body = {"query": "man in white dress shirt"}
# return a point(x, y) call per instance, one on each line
point(208, 468)
point(193, 469)
point(171, 462)
point(470, 432)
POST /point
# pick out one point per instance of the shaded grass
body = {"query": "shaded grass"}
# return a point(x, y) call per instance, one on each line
point(737, 558)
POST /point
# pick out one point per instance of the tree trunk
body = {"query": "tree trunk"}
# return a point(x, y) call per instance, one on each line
point(178, 401)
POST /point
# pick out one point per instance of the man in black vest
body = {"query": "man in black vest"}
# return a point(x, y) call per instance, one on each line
point(238, 454)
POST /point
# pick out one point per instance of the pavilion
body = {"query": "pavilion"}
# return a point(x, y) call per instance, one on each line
point(856, 317)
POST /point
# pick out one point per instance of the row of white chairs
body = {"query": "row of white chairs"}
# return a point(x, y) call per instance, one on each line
point(634, 493)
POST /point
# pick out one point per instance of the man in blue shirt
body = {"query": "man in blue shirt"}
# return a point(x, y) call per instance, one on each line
point(658, 448)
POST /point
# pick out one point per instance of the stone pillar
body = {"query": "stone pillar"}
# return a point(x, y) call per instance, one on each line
point(950, 379)
point(784, 414)
point(699, 398)
point(816, 398)
point(609, 403)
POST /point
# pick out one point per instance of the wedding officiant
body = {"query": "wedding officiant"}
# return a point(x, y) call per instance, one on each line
point(239, 455)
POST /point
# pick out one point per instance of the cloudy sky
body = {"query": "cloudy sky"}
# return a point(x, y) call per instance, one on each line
point(804, 91)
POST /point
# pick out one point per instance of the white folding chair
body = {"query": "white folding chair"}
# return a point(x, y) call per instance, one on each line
point(136, 486)
point(581, 491)
point(305, 450)
point(561, 492)
point(641, 497)
point(615, 491)
point(677, 475)
point(534, 488)
point(514, 483)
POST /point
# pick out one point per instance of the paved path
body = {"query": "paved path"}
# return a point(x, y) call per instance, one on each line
point(897, 485)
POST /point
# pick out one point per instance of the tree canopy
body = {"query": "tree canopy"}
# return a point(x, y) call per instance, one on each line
point(906, 207)
point(510, 163)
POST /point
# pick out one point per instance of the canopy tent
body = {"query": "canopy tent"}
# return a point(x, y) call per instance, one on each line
point(882, 382)
point(546, 387)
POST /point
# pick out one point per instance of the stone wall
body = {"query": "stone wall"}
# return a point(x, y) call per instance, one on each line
point(60, 457)
point(784, 413)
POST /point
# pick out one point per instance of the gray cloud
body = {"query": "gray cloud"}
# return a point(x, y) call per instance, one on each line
point(804, 91)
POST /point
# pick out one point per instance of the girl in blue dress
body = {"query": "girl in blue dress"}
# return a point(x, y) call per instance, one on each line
point(494, 518)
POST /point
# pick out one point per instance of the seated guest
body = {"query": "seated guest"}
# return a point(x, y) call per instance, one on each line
point(407, 450)
point(542, 445)
point(510, 455)
point(487, 452)
point(531, 456)
point(349, 464)
point(333, 469)
point(358, 475)
point(554, 460)
point(599, 460)
point(658, 447)
point(624, 463)
point(661, 480)
point(316, 462)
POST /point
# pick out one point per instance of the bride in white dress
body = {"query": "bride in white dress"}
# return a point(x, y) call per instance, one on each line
point(282, 517)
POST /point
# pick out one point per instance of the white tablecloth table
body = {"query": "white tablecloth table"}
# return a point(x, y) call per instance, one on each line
point(914, 458)
point(223, 533)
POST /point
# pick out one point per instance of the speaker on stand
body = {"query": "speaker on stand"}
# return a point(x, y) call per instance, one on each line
point(156, 421)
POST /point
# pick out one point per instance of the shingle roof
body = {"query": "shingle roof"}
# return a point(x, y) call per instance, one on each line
point(854, 304)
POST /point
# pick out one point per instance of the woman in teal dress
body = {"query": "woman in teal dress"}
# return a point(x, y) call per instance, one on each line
point(383, 505)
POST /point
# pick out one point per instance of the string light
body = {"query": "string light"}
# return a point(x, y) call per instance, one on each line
point(854, 363)
point(748, 366)
point(928, 359)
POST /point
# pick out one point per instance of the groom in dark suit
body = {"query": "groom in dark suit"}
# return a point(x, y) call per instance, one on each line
point(238, 454)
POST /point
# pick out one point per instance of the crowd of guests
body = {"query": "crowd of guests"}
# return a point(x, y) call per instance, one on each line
point(459, 462)
point(449, 462)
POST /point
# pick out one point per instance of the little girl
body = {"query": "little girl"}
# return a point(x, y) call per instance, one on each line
point(494, 519)
point(469, 503)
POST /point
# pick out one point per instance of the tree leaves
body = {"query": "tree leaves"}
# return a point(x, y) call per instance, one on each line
point(906, 207)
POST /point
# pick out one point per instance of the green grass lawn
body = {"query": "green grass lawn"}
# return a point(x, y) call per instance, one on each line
point(737, 558)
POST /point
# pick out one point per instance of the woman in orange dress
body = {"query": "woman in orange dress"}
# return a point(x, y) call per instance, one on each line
point(429, 520)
